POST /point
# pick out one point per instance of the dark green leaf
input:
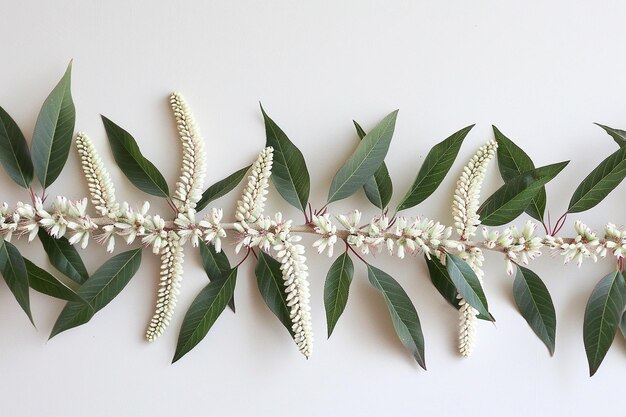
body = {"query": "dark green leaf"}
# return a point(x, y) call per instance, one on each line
point(215, 265)
point(378, 188)
point(600, 182)
point(364, 161)
point(513, 161)
point(602, 315)
point(45, 283)
point(535, 304)
point(221, 188)
point(13, 271)
point(510, 200)
point(99, 290)
point(467, 283)
point(442, 281)
point(402, 311)
point(434, 169)
point(141, 172)
point(269, 279)
point(289, 172)
point(64, 257)
point(204, 311)
point(619, 136)
point(54, 129)
point(14, 153)
point(622, 325)
point(336, 289)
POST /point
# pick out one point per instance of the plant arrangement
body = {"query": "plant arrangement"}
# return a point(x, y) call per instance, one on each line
point(453, 254)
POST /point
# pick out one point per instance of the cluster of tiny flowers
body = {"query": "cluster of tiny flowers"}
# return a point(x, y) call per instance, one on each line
point(264, 233)
point(129, 225)
point(587, 245)
point(400, 236)
point(66, 219)
point(170, 277)
point(467, 193)
point(294, 270)
point(98, 180)
point(328, 231)
point(210, 229)
point(466, 220)
point(518, 247)
point(189, 186)
point(252, 202)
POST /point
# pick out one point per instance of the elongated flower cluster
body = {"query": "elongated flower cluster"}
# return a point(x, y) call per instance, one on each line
point(587, 245)
point(466, 220)
point(189, 186)
point(467, 193)
point(98, 180)
point(252, 202)
point(170, 277)
point(292, 260)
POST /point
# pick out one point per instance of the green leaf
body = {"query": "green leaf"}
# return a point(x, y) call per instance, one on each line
point(442, 281)
point(602, 316)
point(535, 304)
point(215, 265)
point(513, 161)
point(141, 172)
point(221, 188)
point(53, 133)
point(99, 290)
point(64, 257)
point(13, 271)
point(378, 188)
point(622, 325)
point(403, 314)
point(336, 289)
point(467, 284)
point(510, 200)
point(204, 311)
point(289, 172)
point(600, 182)
point(434, 169)
point(619, 136)
point(45, 283)
point(364, 161)
point(14, 153)
point(269, 279)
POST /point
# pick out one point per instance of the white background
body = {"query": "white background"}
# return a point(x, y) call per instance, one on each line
point(542, 73)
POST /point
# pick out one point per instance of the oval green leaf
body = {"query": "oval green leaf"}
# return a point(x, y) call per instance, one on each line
point(13, 271)
point(602, 315)
point(52, 138)
point(434, 169)
point(269, 279)
point(64, 257)
point(403, 314)
point(364, 161)
point(99, 290)
point(14, 153)
point(467, 284)
point(289, 172)
point(510, 200)
point(535, 304)
point(619, 136)
point(600, 182)
point(204, 311)
point(215, 265)
point(622, 325)
point(141, 172)
point(378, 188)
point(441, 280)
point(46, 283)
point(513, 161)
point(221, 188)
point(337, 288)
